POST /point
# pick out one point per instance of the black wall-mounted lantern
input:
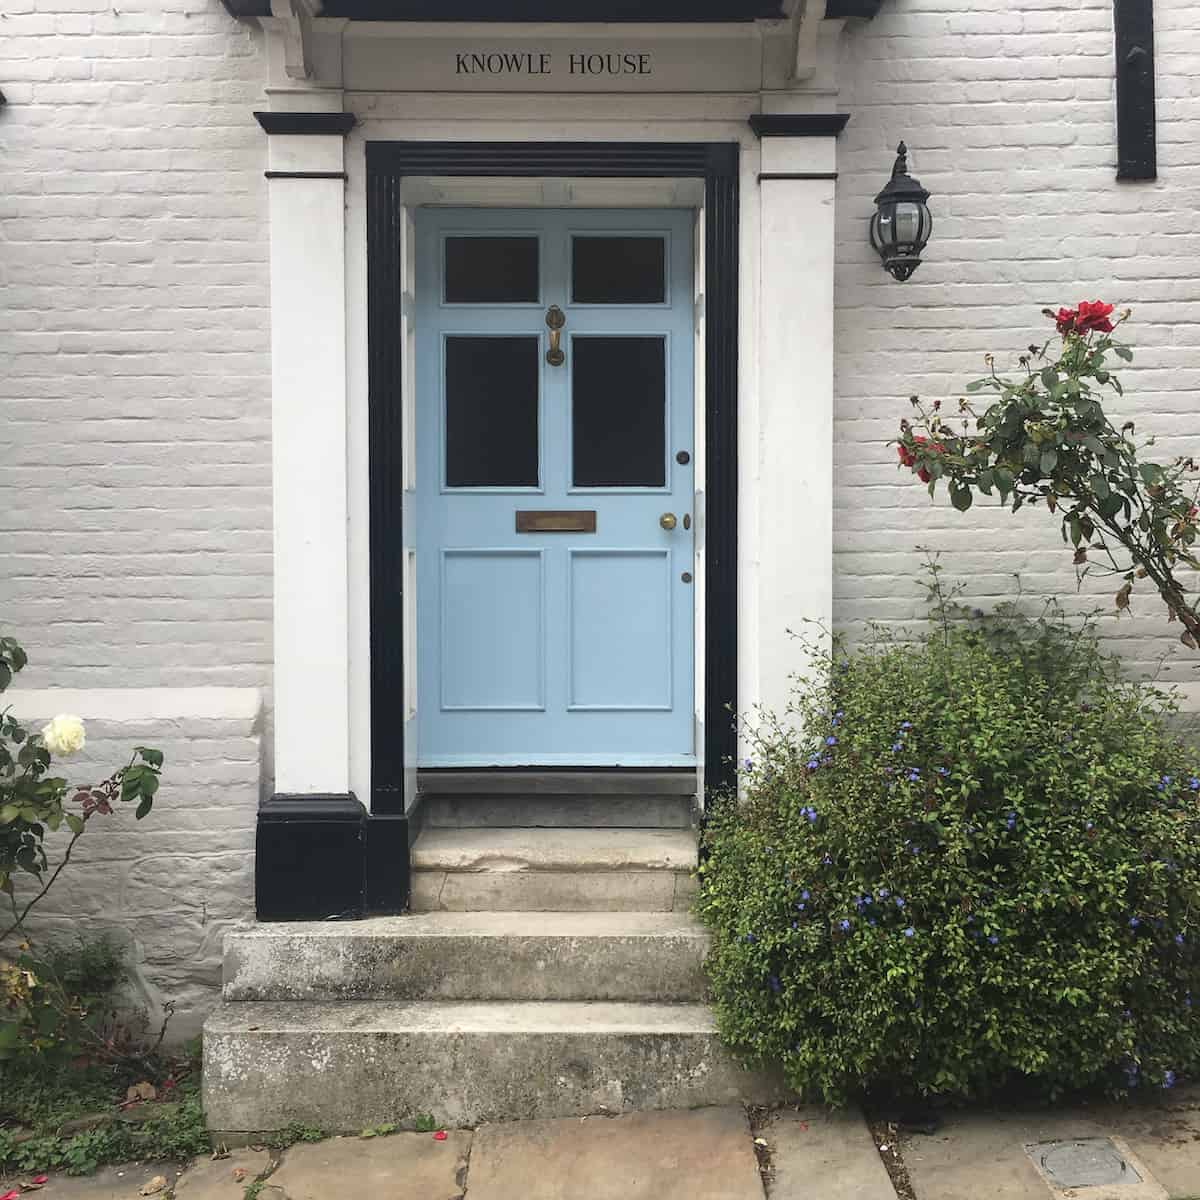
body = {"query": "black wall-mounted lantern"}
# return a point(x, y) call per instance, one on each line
point(901, 225)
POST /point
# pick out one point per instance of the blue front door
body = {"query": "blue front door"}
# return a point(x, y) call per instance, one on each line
point(555, 482)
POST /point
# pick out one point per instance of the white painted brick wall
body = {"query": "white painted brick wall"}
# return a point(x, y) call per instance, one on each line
point(1008, 109)
point(134, 335)
point(168, 887)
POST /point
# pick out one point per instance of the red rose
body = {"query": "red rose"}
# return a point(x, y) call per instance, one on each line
point(906, 455)
point(1087, 317)
point(1065, 321)
point(923, 475)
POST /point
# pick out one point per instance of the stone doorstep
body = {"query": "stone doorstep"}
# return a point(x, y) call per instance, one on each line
point(362, 1063)
point(639, 956)
point(610, 891)
point(558, 812)
point(590, 850)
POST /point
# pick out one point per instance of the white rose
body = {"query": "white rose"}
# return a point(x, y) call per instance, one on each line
point(64, 735)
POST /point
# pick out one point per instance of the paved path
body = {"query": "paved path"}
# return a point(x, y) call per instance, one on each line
point(702, 1154)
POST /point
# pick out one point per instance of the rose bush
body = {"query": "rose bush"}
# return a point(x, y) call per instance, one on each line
point(1046, 439)
point(960, 862)
point(34, 802)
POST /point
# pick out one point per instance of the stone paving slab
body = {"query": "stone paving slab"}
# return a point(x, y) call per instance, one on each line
point(222, 1178)
point(109, 1183)
point(705, 1154)
point(397, 1167)
point(817, 1154)
point(976, 1146)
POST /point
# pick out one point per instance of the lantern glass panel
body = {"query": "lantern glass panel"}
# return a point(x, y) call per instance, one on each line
point(907, 221)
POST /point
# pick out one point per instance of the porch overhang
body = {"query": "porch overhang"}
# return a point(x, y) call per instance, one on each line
point(582, 11)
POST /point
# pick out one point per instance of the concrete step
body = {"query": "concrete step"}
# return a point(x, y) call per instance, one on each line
point(566, 811)
point(642, 956)
point(344, 1066)
point(566, 870)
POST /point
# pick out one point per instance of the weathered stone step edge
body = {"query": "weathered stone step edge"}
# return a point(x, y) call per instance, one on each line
point(552, 891)
point(501, 850)
point(558, 812)
point(363, 1063)
point(473, 956)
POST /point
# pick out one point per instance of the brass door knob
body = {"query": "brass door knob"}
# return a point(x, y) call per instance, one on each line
point(667, 520)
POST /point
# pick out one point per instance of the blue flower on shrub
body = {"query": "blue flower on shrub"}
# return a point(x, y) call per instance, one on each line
point(909, 932)
point(831, 740)
point(1089, 827)
point(812, 764)
point(750, 938)
point(899, 901)
point(809, 813)
point(1169, 1079)
point(914, 773)
point(943, 771)
point(1134, 922)
point(883, 893)
point(773, 983)
point(1011, 822)
point(1179, 939)
point(804, 894)
point(1132, 1073)
point(994, 938)
point(1194, 784)
point(905, 725)
point(844, 925)
point(897, 747)
point(1187, 999)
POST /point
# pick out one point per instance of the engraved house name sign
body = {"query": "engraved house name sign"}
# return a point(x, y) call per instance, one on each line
point(687, 63)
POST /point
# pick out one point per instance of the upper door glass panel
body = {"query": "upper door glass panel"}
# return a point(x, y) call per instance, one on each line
point(611, 269)
point(491, 270)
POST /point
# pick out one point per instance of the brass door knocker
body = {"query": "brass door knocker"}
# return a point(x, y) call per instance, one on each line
point(555, 320)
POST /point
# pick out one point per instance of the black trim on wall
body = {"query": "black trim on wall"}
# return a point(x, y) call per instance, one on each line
point(324, 858)
point(553, 10)
point(1137, 149)
point(798, 124)
point(306, 122)
point(247, 8)
point(866, 9)
point(387, 165)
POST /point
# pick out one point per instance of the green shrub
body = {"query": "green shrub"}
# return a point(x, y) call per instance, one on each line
point(962, 862)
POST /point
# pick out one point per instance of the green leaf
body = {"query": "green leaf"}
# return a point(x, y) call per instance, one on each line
point(975, 385)
point(1099, 486)
point(961, 498)
point(1109, 507)
point(144, 808)
point(5, 675)
point(1151, 473)
point(1004, 481)
point(153, 757)
point(1123, 352)
point(75, 823)
point(1049, 461)
point(987, 479)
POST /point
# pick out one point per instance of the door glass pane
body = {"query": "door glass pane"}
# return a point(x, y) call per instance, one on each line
point(492, 411)
point(618, 411)
point(618, 270)
point(491, 270)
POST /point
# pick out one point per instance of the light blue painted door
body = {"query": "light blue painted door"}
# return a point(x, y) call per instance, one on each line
point(570, 647)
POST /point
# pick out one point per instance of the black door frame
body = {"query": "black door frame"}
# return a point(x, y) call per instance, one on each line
point(388, 163)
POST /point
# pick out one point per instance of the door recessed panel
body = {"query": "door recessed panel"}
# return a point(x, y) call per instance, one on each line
point(607, 269)
point(491, 415)
point(492, 635)
point(491, 270)
point(619, 411)
point(620, 629)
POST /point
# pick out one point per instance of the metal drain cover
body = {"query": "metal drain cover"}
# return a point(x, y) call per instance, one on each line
point(1086, 1162)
